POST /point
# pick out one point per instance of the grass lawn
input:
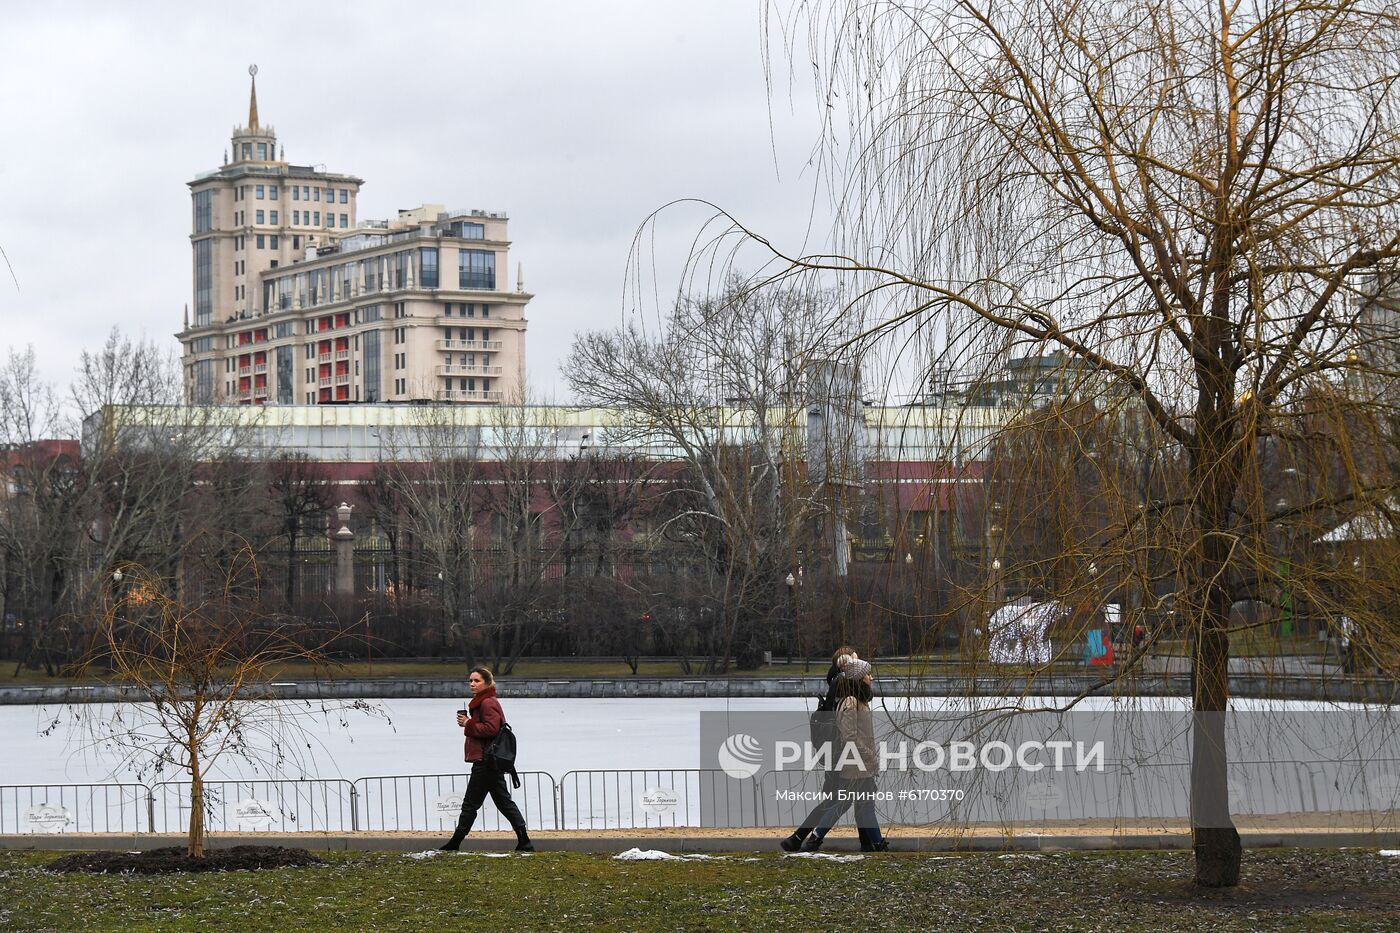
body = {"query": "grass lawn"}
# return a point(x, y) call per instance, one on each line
point(1287, 889)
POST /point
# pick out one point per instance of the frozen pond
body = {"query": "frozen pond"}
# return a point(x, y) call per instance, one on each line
point(421, 737)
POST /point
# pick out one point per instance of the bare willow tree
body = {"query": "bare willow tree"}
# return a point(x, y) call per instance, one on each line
point(200, 669)
point(1195, 202)
point(716, 392)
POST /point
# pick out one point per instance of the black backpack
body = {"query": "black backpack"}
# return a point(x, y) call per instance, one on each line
point(500, 753)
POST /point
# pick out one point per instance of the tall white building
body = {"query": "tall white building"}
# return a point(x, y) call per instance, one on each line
point(299, 301)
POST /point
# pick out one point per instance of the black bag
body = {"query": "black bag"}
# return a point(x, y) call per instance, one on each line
point(499, 753)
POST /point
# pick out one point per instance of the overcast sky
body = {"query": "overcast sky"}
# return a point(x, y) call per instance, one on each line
point(578, 120)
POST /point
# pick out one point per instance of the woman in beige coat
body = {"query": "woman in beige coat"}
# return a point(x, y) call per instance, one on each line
point(858, 760)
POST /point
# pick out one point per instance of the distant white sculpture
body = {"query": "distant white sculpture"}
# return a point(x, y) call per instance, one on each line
point(1018, 633)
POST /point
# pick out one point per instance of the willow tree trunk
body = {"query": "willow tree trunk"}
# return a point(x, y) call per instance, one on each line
point(195, 841)
point(1214, 838)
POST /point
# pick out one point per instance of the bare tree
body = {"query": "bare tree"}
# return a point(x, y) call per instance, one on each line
point(300, 494)
point(1192, 201)
point(719, 403)
point(200, 669)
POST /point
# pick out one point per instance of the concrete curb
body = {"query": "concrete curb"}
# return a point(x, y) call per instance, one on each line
point(738, 842)
point(1057, 683)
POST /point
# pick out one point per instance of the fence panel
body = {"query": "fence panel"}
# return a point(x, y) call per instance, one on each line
point(431, 802)
point(258, 806)
point(647, 798)
point(73, 808)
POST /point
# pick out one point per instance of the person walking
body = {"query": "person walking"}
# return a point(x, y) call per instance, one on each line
point(858, 761)
point(823, 728)
point(482, 722)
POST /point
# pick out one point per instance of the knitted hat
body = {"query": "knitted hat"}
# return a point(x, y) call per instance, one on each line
point(855, 669)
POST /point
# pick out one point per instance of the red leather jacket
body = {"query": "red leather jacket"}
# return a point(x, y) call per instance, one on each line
point(486, 720)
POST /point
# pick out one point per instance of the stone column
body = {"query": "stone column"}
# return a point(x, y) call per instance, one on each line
point(344, 552)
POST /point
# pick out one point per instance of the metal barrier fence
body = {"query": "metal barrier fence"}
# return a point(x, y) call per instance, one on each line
point(653, 798)
point(310, 806)
point(81, 808)
point(432, 801)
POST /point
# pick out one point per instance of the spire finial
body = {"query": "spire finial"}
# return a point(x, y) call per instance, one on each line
point(187, 315)
point(253, 98)
point(520, 276)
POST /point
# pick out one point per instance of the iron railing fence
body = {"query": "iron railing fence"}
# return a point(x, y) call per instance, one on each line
point(431, 802)
point(81, 808)
point(648, 798)
point(274, 806)
point(1361, 792)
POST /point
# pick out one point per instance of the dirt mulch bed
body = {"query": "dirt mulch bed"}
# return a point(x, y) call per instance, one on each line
point(173, 859)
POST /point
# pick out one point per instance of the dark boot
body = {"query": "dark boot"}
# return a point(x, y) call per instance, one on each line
point(792, 843)
point(522, 840)
point(464, 826)
point(812, 843)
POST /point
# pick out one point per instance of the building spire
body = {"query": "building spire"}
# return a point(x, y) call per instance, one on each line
point(253, 99)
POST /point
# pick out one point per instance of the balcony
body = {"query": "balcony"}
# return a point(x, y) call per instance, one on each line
point(245, 370)
point(468, 344)
point(325, 382)
point(342, 379)
point(323, 357)
point(245, 393)
point(469, 370)
point(467, 395)
point(342, 355)
point(260, 368)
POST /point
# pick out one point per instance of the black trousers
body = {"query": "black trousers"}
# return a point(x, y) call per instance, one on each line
point(487, 781)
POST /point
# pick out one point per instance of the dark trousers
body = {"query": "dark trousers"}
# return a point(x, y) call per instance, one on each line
point(867, 822)
point(486, 780)
point(814, 818)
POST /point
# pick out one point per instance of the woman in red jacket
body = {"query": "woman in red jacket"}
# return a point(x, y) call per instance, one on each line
point(480, 727)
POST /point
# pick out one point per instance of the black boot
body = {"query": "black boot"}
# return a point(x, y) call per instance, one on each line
point(812, 843)
point(792, 843)
point(522, 839)
point(464, 826)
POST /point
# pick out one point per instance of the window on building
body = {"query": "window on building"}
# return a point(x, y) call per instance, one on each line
point(296, 193)
point(272, 192)
point(203, 211)
point(344, 198)
point(261, 243)
point(260, 217)
point(296, 241)
point(485, 310)
point(272, 216)
point(428, 266)
point(262, 154)
point(247, 150)
point(316, 194)
point(273, 238)
point(296, 217)
point(306, 192)
point(203, 281)
point(373, 378)
point(344, 221)
point(476, 268)
point(317, 222)
point(258, 189)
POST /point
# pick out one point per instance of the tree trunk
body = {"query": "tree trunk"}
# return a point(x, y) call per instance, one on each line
point(1214, 838)
point(195, 842)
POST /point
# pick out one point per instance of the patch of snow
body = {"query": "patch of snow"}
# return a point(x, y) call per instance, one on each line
point(827, 856)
